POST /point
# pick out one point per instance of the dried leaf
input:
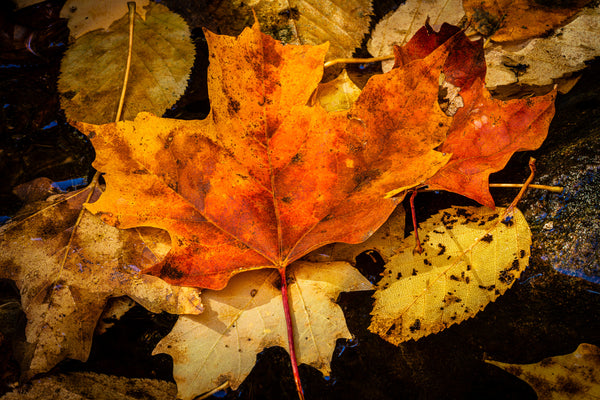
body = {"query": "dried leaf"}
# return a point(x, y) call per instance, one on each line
point(265, 179)
point(504, 20)
point(93, 68)
point(66, 263)
point(471, 257)
point(221, 344)
point(343, 24)
point(89, 15)
point(398, 27)
point(543, 61)
point(484, 135)
point(572, 376)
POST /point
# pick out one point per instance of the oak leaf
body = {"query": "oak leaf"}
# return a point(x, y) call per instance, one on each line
point(264, 179)
point(570, 376)
point(66, 264)
point(471, 257)
point(220, 345)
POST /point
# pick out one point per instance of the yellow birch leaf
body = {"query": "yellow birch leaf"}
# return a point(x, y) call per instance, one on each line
point(220, 345)
point(93, 68)
point(571, 376)
point(471, 257)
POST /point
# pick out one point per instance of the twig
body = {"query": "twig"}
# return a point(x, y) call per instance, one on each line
point(213, 391)
point(357, 60)
point(290, 332)
point(523, 189)
point(418, 249)
point(553, 189)
point(131, 6)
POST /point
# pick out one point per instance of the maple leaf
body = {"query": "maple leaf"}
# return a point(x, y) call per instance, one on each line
point(265, 179)
point(66, 263)
point(485, 132)
point(221, 344)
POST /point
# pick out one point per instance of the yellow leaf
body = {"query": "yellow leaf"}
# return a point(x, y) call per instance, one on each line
point(93, 68)
point(221, 344)
point(572, 376)
point(337, 94)
point(471, 257)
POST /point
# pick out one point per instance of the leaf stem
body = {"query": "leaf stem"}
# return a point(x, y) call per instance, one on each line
point(131, 6)
point(418, 249)
point(290, 332)
point(553, 189)
point(357, 60)
point(523, 189)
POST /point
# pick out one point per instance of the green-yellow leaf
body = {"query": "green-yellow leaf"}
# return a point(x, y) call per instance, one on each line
point(572, 376)
point(220, 345)
point(471, 257)
point(93, 69)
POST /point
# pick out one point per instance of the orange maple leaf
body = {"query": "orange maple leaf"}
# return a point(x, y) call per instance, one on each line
point(265, 179)
point(485, 132)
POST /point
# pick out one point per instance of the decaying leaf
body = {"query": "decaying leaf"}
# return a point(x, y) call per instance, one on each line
point(471, 257)
point(88, 15)
point(515, 20)
point(93, 68)
point(398, 27)
point(337, 94)
point(544, 60)
point(221, 344)
point(342, 24)
point(264, 179)
point(66, 263)
point(572, 376)
point(485, 132)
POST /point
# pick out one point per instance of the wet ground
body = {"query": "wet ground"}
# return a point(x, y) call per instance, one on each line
point(549, 311)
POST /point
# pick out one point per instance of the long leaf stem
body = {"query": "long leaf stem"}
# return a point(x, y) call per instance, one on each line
point(131, 6)
point(290, 332)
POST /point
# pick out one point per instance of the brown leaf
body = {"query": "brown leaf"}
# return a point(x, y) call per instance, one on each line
point(66, 263)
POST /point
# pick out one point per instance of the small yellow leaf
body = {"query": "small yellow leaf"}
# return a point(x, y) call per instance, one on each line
point(337, 94)
point(572, 376)
point(471, 257)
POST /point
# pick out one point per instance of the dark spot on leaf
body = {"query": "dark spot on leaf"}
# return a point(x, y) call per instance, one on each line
point(487, 238)
point(92, 134)
point(290, 13)
point(170, 272)
point(253, 292)
point(389, 331)
point(442, 249)
point(398, 276)
point(488, 288)
point(508, 221)
point(415, 326)
point(506, 277)
point(492, 217)
point(140, 172)
point(453, 278)
point(414, 272)
point(426, 262)
point(233, 106)
point(297, 158)
point(286, 199)
point(521, 253)
point(515, 265)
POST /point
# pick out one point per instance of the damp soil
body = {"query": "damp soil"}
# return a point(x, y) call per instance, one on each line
point(550, 310)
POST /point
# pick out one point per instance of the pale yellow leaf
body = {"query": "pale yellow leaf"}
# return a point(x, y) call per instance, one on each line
point(66, 263)
point(88, 15)
point(542, 61)
point(220, 345)
point(572, 376)
point(471, 257)
point(93, 68)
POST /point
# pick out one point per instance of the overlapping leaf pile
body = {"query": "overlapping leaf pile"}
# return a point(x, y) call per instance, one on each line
point(265, 179)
